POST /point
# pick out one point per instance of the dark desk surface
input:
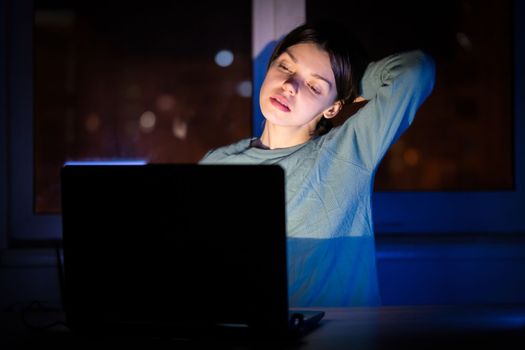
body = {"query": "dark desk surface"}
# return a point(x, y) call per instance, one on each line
point(406, 327)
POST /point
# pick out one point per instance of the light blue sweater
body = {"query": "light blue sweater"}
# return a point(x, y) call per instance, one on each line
point(329, 184)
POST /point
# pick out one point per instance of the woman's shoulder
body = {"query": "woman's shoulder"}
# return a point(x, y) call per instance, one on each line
point(219, 153)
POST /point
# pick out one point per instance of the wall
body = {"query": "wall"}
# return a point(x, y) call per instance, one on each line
point(462, 269)
point(412, 270)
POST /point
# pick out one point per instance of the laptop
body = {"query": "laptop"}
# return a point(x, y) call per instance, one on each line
point(177, 250)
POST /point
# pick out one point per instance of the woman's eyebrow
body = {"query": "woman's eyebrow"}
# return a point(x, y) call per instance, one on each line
point(315, 75)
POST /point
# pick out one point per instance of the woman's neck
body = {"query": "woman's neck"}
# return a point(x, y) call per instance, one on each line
point(282, 137)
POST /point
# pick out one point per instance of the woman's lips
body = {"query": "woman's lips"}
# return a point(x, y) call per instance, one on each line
point(280, 103)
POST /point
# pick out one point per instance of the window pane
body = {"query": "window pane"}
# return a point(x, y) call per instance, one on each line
point(461, 138)
point(163, 83)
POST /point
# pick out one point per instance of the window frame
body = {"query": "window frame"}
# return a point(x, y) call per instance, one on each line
point(394, 211)
point(4, 135)
point(23, 224)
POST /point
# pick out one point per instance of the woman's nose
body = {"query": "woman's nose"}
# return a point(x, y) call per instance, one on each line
point(290, 86)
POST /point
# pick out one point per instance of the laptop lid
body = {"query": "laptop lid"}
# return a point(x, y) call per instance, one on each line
point(165, 248)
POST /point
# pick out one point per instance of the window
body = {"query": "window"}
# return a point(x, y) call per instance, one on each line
point(162, 83)
point(461, 139)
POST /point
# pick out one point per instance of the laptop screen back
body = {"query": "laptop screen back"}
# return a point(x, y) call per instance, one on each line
point(174, 247)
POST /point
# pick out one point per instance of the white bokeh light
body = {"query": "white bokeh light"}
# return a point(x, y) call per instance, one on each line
point(147, 121)
point(244, 88)
point(179, 129)
point(224, 58)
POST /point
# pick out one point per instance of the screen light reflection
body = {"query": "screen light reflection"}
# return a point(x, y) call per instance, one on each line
point(106, 162)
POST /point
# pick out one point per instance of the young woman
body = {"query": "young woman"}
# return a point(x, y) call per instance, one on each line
point(312, 73)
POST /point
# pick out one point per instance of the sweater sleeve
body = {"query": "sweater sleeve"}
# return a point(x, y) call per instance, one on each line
point(395, 88)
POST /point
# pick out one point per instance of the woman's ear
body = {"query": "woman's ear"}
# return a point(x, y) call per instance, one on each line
point(332, 111)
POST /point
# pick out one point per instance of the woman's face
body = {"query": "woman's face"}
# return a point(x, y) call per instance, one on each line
point(299, 88)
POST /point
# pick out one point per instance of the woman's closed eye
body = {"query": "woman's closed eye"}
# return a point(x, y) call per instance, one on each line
point(315, 89)
point(284, 67)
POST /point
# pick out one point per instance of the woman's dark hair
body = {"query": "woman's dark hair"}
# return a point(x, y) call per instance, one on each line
point(347, 57)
